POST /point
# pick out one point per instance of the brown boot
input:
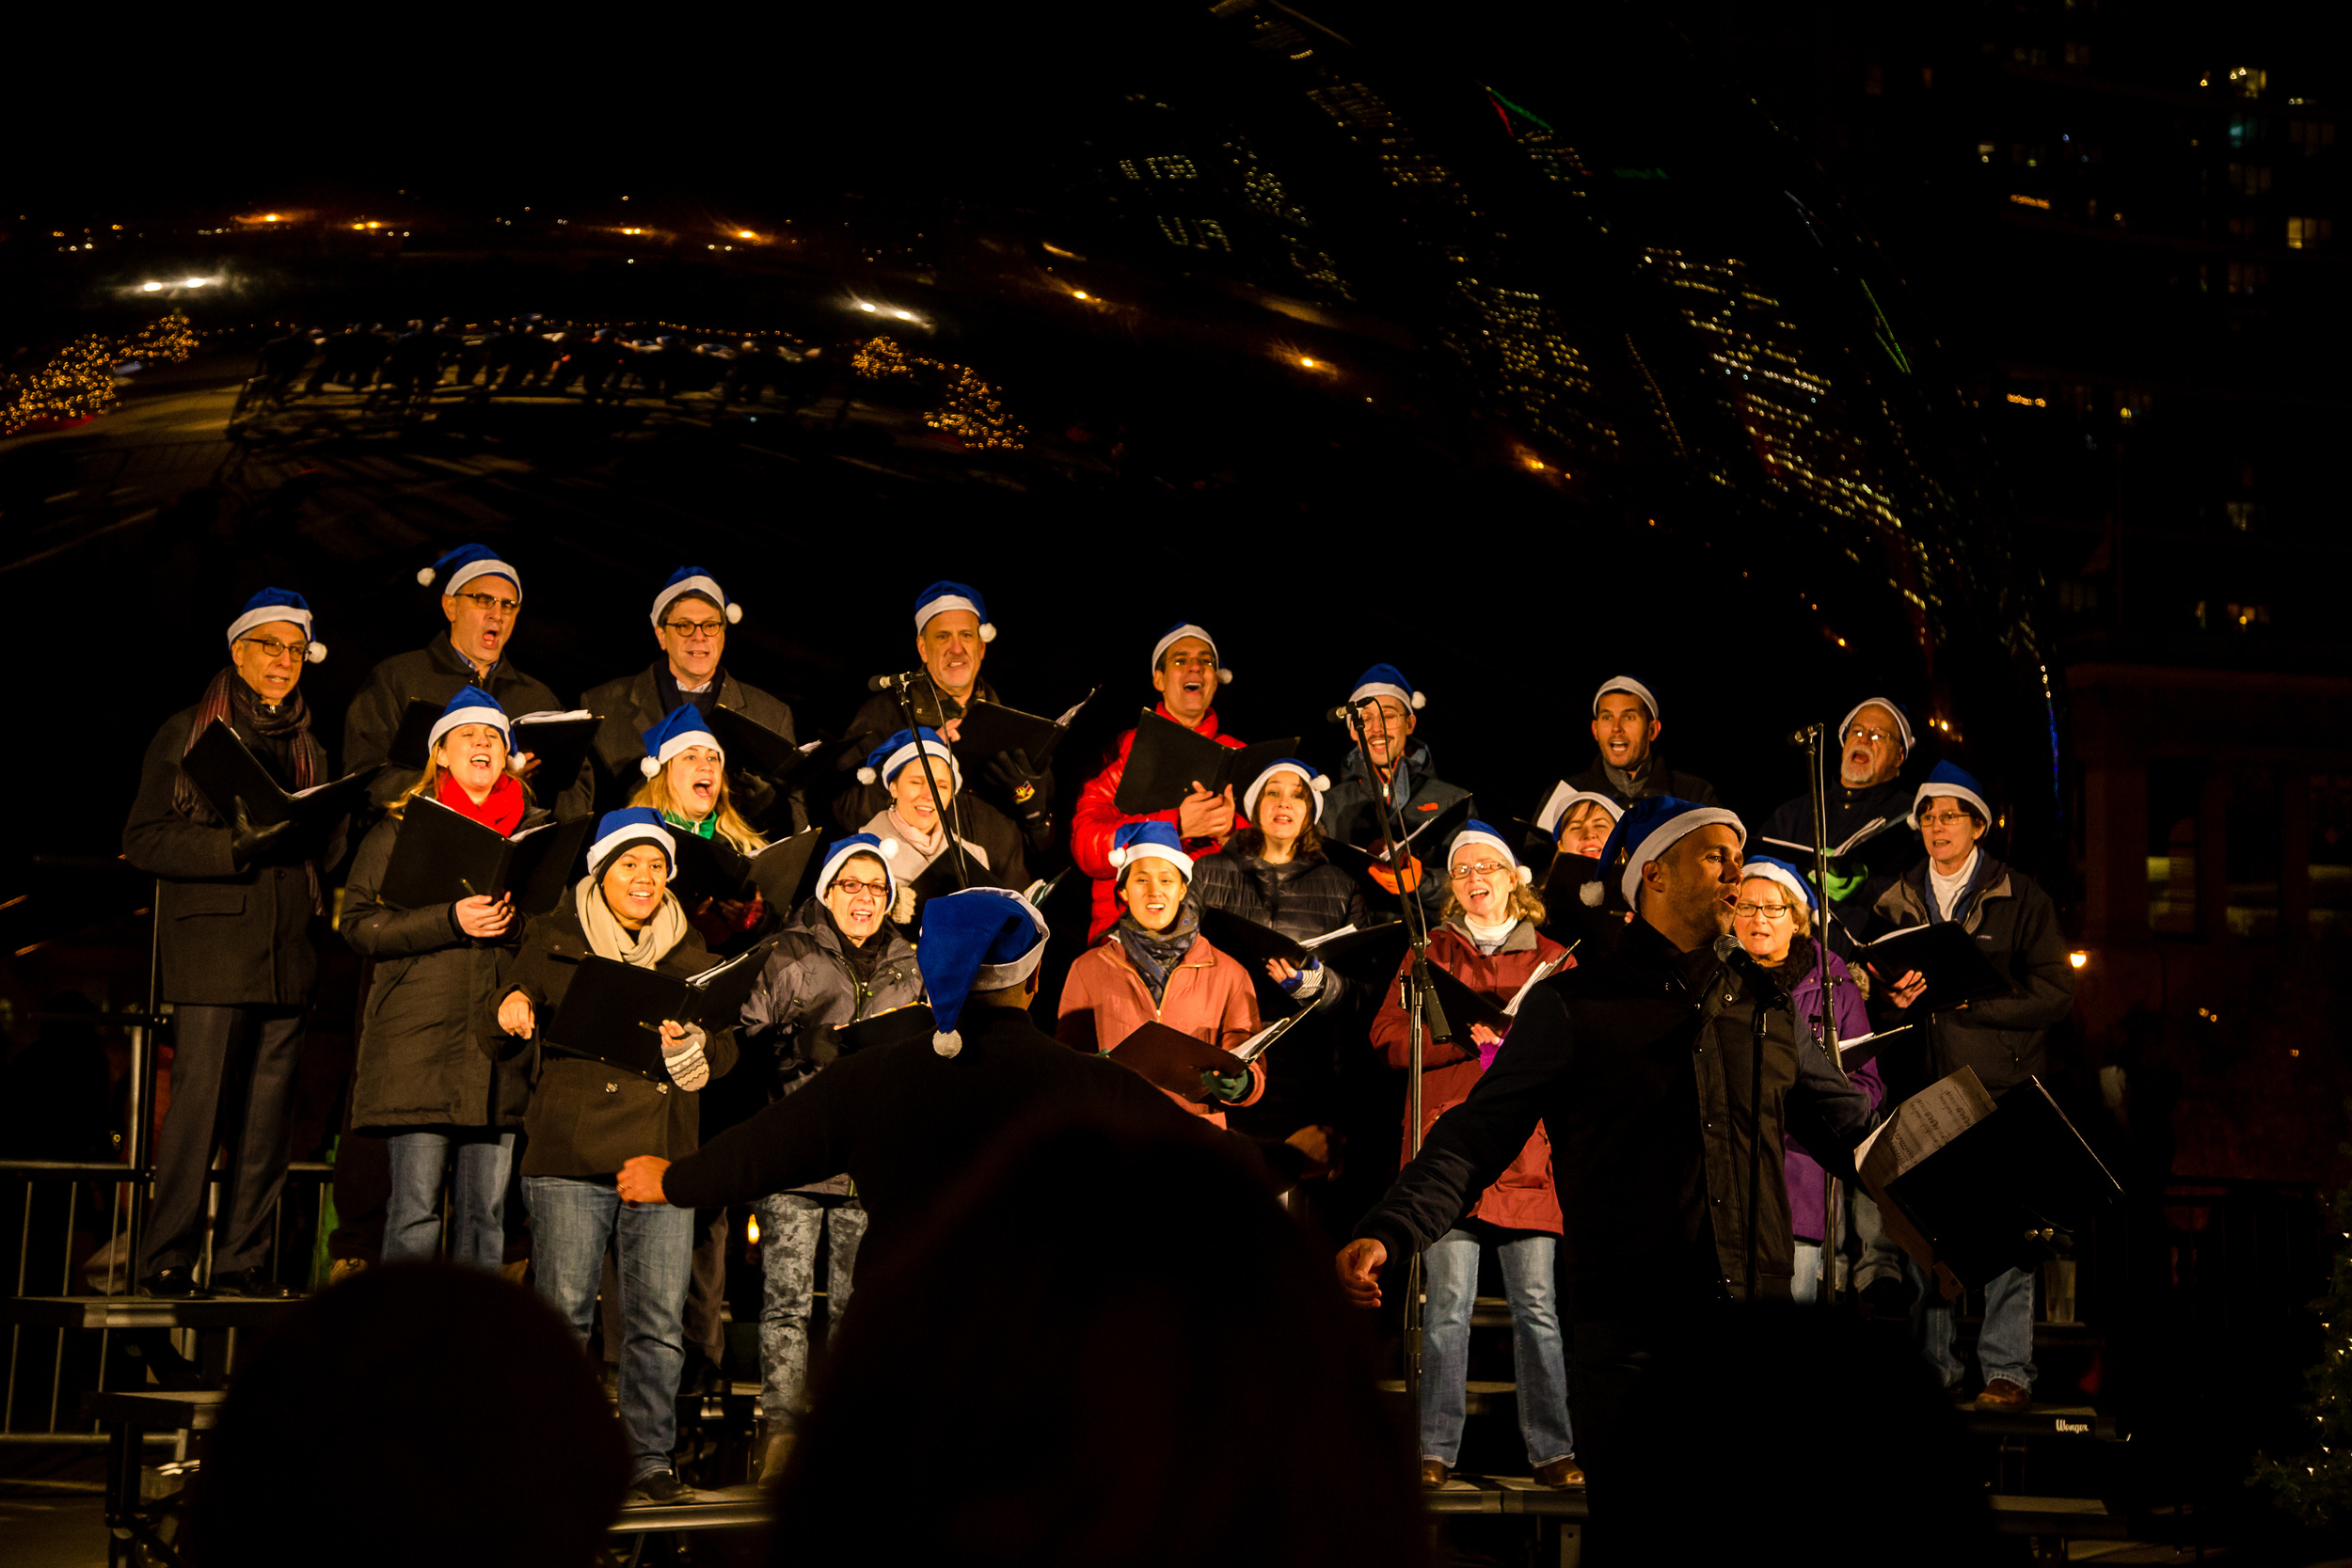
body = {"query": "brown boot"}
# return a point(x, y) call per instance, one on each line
point(2001, 1394)
point(1560, 1472)
point(1432, 1473)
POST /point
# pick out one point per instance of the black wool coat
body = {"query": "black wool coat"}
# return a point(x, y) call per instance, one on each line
point(421, 1063)
point(433, 673)
point(1656, 778)
point(587, 1120)
point(1638, 1062)
point(878, 718)
point(228, 935)
point(632, 704)
point(1307, 897)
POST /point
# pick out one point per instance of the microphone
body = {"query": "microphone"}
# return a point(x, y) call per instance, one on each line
point(1340, 714)
point(1806, 735)
point(891, 683)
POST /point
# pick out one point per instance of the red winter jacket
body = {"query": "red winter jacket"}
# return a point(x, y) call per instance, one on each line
point(1522, 1196)
point(1098, 818)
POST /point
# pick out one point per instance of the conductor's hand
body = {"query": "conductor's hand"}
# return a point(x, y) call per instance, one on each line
point(1360, 1262)
point(515, 1016)
point(639, 1181)
point(1203, 815)
point(245, 841)
point(484, 919)
point(1908, 989)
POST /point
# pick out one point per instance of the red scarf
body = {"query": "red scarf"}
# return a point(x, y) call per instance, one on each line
point(502, 810)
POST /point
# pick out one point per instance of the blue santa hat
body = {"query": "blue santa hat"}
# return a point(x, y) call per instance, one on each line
point(472, 705)
point(693, 580)
point(681, 727)
point(1136, 841)
point(1317, 786)
point(1629, 685)
point(1902, 719)
point(1475, 831)
point(1563, 800)
point(1950, 780)
point(884, 760)
point(840, 854)
point(1387, 680)
point(1183, 629)
point(466, 562)
point(617, 830)
point(277, 604)
point(1773, 868)
point(1649, 828)
point(952, 596)
point(980, 939)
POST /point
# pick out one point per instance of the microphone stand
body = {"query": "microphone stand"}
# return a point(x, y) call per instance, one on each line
point(1423, 1015)
point(1824, 1026)
point(898, 687)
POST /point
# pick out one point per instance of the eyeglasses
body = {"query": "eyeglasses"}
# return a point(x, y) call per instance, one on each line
point(272, 650)
point(1479, 868)
point(1944, 819)
point(1761, 911)
point(853, 887)
point(696, 629)
point(1873, 736)
point(486, 603)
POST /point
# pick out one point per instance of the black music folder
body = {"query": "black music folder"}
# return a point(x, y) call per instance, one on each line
point(1368, 953)
point(1464, 1007)
point(1986, 1187)
point(1167, 759)
point(613, 1012)
point(558, 740)
point(225, 771)
point(1954, 963)
point(752, 747)
point(713, 868)
point(988, 728)
point(442, 855)
point(1174, 1060)
point(897, 1026)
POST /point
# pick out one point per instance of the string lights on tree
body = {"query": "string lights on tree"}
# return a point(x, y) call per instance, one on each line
point(969, 409)
point(78, 380)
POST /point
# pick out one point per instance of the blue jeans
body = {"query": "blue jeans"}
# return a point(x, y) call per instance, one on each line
point(1806, 1285)
point(570, 1223)
point(2003, 1345)
point(477, 1194)
point(1539, 1364)
point(789, 1226)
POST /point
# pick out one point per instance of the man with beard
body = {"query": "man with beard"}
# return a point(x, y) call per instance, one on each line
point(1641, 1065)
point(1629, 766)
point(1389, 711)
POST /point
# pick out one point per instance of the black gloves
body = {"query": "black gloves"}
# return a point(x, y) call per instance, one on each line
point(247, 842)
point(1030, 790)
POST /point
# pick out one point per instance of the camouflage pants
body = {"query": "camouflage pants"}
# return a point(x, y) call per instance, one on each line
point(789, 1227)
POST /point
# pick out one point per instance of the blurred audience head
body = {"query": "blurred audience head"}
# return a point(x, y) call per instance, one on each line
point(1116, 1349)
point(415, 1415)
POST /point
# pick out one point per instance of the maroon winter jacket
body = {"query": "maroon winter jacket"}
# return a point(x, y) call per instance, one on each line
point(1521, 1197)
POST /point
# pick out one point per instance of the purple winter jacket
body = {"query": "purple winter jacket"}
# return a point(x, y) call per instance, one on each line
point(1808, 1184)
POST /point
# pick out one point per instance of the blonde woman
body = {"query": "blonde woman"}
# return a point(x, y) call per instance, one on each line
point(686, 781)
point(1489, 942)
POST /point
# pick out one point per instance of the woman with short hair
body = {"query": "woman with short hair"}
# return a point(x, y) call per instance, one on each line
point(444, 1107)
point(992, 847)
point(1489, 941)
point(587, 1119)
point(1154, 966)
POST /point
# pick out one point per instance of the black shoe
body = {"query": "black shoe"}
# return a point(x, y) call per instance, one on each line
point(174, 1284)
point(660, 1487)
point(255, 1284)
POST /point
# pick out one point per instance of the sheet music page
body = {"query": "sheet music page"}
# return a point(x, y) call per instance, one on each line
point(1921, 1125)
point(1543, 972)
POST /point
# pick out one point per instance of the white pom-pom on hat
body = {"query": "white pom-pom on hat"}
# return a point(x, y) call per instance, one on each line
point(947, 1041)
point(866, 775)
point(889, 847)
point(1527, 876)
point(648, 766)
point(1320, 783)
point(1224, 676)
point(1118, 859)
point(734, 613)
point(1420, 699)
point(1592, 892)
point(317, 653)
point(424, 576)
point(988, 631)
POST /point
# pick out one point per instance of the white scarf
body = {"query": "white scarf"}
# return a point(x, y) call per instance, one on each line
point(609, 939)
point(1488, 938)
point(1949, 889)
